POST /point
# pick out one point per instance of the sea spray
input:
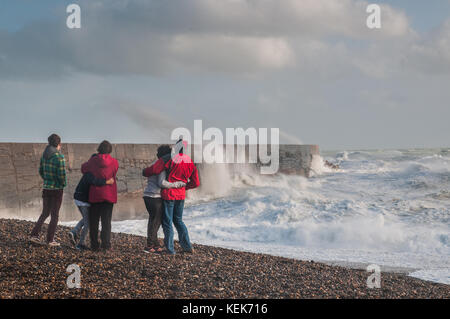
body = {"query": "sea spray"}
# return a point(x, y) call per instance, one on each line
point(215, 181)
point(318, 166)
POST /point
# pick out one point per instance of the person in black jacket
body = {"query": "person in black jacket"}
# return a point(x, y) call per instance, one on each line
point(81, 198)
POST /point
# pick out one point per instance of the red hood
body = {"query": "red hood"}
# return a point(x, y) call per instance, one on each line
point(103, 160)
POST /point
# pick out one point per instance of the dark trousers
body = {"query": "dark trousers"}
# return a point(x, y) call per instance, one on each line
point(52, 199)
point(103, 212)
point(155, 211)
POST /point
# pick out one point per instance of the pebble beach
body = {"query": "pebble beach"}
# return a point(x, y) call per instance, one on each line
point(32, 271)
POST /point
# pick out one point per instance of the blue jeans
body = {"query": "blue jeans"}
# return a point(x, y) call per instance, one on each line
point(173, 212)
point(83, 224)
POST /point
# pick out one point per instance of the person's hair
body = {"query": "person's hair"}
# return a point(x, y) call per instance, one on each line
point(163, 150)
point(105, 147)
point(54, 140)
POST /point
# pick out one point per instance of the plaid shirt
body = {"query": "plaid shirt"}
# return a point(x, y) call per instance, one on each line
point(53, 171)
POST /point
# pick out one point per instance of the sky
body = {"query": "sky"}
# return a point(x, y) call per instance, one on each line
point(137, 69)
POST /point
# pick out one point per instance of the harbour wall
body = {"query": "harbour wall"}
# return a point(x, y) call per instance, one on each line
point(21, 185)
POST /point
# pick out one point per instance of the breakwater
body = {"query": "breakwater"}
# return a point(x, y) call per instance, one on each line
point(21, 185)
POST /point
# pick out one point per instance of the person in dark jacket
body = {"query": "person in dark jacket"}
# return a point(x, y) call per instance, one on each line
point(102, 198)
point(52, 169)
point(81, 197)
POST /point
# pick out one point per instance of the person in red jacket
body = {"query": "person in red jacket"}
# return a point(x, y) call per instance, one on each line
point(179, 167)
point(101, 198)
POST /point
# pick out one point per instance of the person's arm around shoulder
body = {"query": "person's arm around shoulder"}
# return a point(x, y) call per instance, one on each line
point(194, 181)
point(155, 169)
point(86, 167)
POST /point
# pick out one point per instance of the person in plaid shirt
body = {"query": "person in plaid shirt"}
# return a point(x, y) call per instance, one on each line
point(52, 169)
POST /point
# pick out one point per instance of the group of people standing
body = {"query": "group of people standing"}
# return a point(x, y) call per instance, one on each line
point(96, 193)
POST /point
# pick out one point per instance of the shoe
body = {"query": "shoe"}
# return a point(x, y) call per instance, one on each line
point(81, 247)
point(54, 244)
point(149, 250)
point(72, 238)
point(105, 250)
point(166, 252)
point(158, 249)
point(188, 251)
point(35, 239)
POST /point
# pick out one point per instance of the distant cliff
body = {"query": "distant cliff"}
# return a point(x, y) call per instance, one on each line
point(21, 185)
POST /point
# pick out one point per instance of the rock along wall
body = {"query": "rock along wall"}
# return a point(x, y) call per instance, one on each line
point(21, 185)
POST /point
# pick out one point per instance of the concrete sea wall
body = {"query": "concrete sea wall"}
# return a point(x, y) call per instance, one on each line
point(21, 185)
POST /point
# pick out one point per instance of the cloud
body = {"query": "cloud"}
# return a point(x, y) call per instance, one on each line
point(271, 18)
point(231, 54)
point(157, 37)
point(432, 54)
